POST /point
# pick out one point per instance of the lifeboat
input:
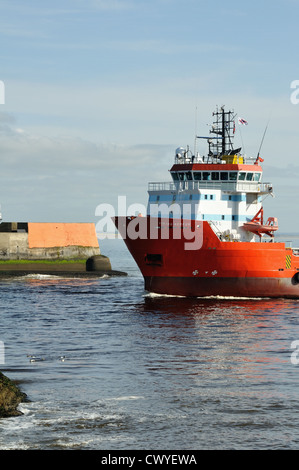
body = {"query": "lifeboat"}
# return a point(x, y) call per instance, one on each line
point(257, 226)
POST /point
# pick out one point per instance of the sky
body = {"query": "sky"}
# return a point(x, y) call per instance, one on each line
point(98, 94)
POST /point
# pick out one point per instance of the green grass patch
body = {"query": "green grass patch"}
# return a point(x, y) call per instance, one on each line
point(42, 261)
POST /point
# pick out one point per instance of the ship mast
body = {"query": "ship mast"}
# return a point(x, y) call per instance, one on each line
point(223, 126)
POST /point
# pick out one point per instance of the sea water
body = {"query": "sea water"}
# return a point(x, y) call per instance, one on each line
point(106, 365)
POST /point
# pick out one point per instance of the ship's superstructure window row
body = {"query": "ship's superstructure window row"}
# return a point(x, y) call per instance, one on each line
point(216, 176)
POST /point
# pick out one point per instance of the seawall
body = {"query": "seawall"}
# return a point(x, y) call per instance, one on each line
point(50, 248)
point(47, 241)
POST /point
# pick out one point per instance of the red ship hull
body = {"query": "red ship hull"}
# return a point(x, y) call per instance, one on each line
point(211, 267)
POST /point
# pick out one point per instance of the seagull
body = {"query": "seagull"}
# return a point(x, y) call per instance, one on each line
point(35, 359)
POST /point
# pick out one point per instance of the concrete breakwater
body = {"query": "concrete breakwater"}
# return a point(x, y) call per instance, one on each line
point(51, 248)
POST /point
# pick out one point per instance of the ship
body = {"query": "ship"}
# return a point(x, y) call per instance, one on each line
point(204, 233)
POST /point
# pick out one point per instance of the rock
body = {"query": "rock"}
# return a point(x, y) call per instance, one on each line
point(98, 263)
point(10, 397)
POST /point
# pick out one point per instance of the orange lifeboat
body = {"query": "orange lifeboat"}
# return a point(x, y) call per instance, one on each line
point(257, 226)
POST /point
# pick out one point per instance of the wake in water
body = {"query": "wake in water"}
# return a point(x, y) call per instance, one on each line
point(153, 295)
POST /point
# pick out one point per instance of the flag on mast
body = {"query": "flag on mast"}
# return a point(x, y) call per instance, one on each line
point(258, 159)
point(242, 121)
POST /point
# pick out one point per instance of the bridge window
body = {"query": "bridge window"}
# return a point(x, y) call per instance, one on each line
point(224, 176)
point(233, 176)
point(257, 176)
point(206, 175)
point(197, 175)
point(175, 176)
point(242, 176)
point(249, 176)
point(215, 175)
point(185, 176)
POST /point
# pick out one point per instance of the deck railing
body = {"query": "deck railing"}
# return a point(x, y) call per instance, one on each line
point(233, 186)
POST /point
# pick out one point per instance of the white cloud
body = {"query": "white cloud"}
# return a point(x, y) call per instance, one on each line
point(37, 153)
point(65, 178)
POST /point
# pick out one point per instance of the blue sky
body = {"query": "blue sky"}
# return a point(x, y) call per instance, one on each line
point(100, 93)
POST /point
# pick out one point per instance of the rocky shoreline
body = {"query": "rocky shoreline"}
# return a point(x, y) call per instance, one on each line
point(10, 397)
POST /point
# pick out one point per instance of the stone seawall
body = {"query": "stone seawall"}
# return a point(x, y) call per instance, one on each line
point(47, 241)
point(50, 248)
